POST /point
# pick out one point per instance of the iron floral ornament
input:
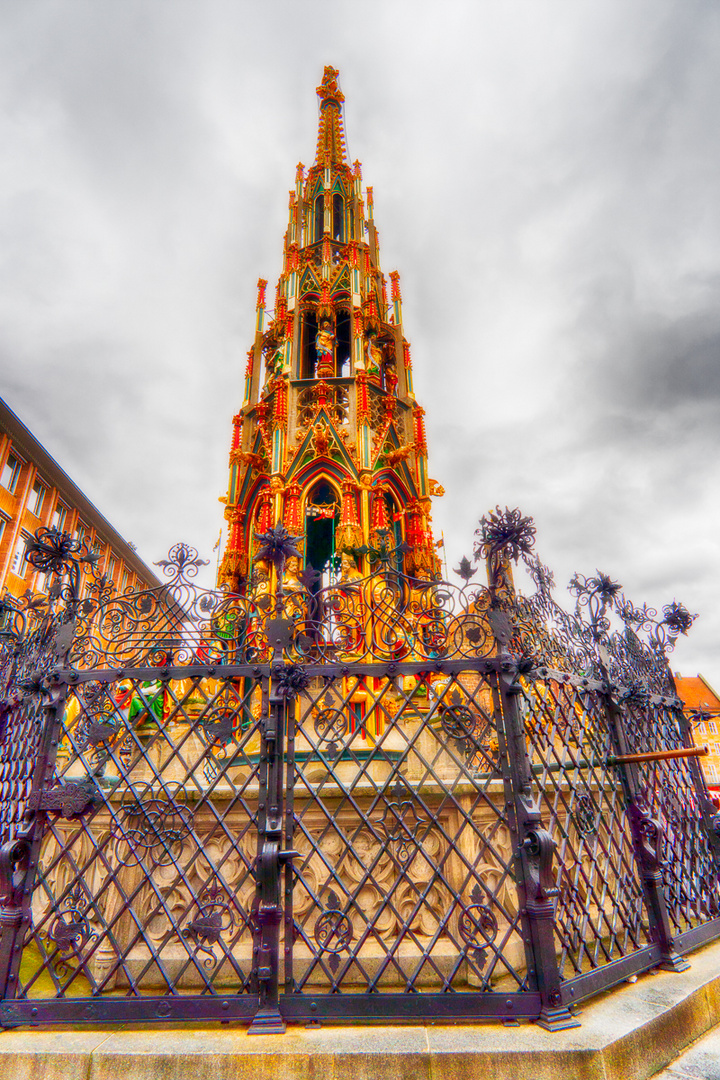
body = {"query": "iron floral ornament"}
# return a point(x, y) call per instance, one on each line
point(56, 552)
point(505, 534)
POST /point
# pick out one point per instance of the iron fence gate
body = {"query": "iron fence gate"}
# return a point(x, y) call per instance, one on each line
point(390, 799)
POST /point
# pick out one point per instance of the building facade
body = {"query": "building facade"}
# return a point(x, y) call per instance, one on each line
point(330, 440)
point(36, 492)
point(702, 705)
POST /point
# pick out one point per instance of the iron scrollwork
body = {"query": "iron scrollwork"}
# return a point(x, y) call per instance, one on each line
point(585, 814)
point(478, 928)
point(71, 931)
point(401, 824)
point(472, 731)
point(215, 919)
point(333, 931)
point(649, 837)
point(155, 827)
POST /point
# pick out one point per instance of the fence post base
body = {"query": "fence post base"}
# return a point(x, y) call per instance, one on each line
point(557, 1019)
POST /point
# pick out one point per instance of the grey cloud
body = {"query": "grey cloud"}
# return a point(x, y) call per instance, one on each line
point(546, 182)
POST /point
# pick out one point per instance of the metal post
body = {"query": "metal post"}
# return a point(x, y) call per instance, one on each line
point(647, 833)
point(534, 845)
point(267, 908)
point(535, 849)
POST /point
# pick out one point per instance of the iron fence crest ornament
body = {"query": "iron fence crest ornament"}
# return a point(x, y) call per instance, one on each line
point(323, 801)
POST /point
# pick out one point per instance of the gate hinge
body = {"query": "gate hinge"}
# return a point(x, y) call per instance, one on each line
point(70, 800)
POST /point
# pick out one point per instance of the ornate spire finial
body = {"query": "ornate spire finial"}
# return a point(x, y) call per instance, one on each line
point(331, 138)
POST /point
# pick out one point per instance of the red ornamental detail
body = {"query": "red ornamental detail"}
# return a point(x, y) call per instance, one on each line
point(289, 327)
point(281, 307)
point(323, 393)
point(361, 397)
point(291, 518)
point(395, 285)
point(237, 432)
point(249, 365)
point(264, 518)
point(280, 401)
point(420, 437)
point(379, 517)
point(349, 513)
point(261, 287)
point(326, 251)
point(406, 353)
point(415, 526)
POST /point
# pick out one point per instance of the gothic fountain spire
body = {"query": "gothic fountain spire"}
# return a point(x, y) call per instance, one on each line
point(330, 440)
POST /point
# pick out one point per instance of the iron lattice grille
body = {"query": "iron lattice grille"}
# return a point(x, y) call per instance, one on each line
point(150, 889)
point(397, 816)
point(19, 748)
point(373, 797)
point(405, 877)
point(600, 915)
point(669, 795)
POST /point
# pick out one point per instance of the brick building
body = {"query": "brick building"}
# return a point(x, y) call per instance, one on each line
point(35, 491)
point(702, 704)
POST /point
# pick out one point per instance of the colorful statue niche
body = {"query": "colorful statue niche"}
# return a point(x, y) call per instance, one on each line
point(325, 349)
point(275, 361)
point(375, 357)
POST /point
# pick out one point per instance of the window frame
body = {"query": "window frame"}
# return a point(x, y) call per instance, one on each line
point(15, 472)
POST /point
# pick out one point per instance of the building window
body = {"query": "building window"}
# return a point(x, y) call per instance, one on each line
point(338, 218)
point(3, 523)
point(713, 773)
point(125, 581)
point(42, 582)
point(11, 473)
point(111, 567)
point(37, 498)
point(344, 342)
point(319, 218)
point(58, 518)
point(712, 727)
point(19, 565)
point(308, 354)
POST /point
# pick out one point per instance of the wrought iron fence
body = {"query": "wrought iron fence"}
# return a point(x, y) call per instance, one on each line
point(393, 798)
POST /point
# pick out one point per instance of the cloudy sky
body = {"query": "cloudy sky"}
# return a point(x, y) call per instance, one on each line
point(546, 182)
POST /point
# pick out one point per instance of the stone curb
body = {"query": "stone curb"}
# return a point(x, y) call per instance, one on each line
point(629, 1033)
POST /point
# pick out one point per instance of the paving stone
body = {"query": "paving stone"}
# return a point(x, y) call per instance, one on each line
point(56, 1054)
point(700, 1062)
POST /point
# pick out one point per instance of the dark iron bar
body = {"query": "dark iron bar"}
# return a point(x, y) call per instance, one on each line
point(659, 755)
